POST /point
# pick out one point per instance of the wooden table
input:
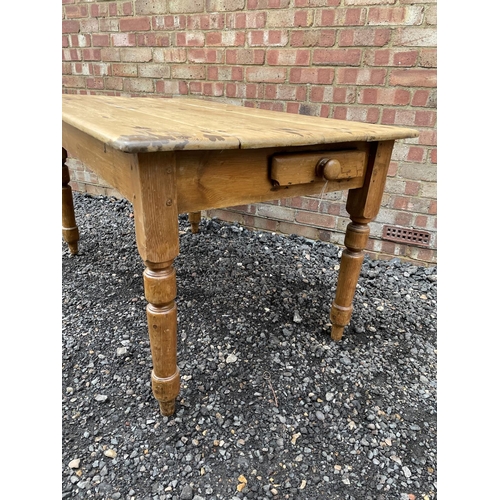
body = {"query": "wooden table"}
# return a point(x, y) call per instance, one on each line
point(171, 156)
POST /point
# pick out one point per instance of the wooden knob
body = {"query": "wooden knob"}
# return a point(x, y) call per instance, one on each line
point(328, 168)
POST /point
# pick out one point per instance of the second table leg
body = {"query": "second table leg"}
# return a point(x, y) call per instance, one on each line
point(157, 234)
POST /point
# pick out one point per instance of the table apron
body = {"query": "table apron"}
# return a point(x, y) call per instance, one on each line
point(218, 179)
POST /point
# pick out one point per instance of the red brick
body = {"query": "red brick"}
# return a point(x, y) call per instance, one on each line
point(363, 76)
point(408, 117)
point(110, 54)
point(171, 55)
point(288, 18)
point(312, 75)
point(394, 97)
point(228, 73)
point(190, 39)
point(425, 118)
point(170, 87)
point(254, 20)
point(363, 114)
point(433, 156)
point(315, 219)
point(317, 3)
point(80, 40)
point(267, 38)
point(340, 113)
point(393, 169)
point(95, 83)
point(212, 21)
point(344, 95)
point(416, 154)
point(245, 90)
point(70, 26)
point(245, 56)
point(432, 207)
point(391, 57)
point(76, 11)
point(313, 38)
point(169, 22)
point(301, 202)
point(213, 89)
point(82, 68)
point(100, 40)
point(428, 137)
point(107, 24)
point(412, 188)
point(341, 17)
point(403, 219)
point(420, 98)
point(275, 212)
point(153, 40)
point(225, 38)
point(413, 77)
point(126, 9)
point(135, 24)
point(386, 15)
point(99, 10)
point(210, 56)
point(91, 54)
point(73, 81)
point(365, 37)
point(195, 87)
point(288, 57)
point(271, 106)
point(324, 57)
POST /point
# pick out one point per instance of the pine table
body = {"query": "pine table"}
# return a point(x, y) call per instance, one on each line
point(181, 155)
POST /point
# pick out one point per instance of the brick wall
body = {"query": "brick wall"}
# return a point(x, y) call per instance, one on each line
point(368, 60)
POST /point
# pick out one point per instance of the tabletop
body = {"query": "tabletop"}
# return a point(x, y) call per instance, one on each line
point(147, 124)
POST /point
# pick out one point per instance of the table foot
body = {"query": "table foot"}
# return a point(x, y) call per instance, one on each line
point(165, 391)
point(194, 219)
point(69, 229)
point(350, 266)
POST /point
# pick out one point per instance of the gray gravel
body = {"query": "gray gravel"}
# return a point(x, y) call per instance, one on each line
point(269, 407)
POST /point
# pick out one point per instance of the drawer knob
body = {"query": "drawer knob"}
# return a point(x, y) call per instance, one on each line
point(328, 168)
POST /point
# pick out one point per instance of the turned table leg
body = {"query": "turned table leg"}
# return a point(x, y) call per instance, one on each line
point(69, 229)
point(194, 219)
point(350, 266)
point(157, 234)
point(363, 205)
point(160, 292)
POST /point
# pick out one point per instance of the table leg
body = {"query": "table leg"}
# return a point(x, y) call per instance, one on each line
point(363, 205)
point(160, 292)
point(69, 229)
point(157, 233)
point(194, 219)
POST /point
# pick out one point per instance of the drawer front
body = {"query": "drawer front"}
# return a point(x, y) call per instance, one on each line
point(317, 166)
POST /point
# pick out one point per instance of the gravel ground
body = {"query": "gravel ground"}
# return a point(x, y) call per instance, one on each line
point(269, 407)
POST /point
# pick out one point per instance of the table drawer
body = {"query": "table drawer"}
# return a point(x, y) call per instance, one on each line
point(304, 168)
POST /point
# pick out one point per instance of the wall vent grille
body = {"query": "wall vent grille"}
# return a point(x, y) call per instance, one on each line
point(405, 235)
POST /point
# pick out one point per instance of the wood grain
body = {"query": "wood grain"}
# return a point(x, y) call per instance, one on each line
point(145, 124)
